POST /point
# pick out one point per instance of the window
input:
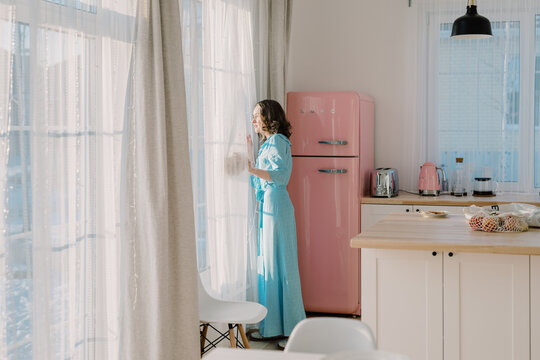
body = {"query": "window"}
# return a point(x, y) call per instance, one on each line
point(19, 209)
point(55, 228)
point(483, 108)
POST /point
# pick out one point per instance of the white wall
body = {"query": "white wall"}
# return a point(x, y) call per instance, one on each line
point(369, 47)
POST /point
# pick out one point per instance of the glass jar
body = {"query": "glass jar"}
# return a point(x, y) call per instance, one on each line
point(458, 181)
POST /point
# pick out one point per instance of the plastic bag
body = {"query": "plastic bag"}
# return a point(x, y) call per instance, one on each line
point(492, 220)
point(529, 213)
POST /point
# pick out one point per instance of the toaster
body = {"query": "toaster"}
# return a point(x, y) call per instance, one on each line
point(384, 182)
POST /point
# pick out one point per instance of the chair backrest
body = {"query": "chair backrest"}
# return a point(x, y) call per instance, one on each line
point(213, 309)
point(327, 335)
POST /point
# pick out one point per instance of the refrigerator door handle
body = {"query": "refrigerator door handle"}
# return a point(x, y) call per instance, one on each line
point(333, 171)
point(333, 142)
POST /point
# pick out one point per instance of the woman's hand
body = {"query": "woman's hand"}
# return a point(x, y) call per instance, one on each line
point(263, 174)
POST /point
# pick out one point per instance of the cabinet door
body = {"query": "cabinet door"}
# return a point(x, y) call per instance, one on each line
point(402, 301)
point(372, 213)
point(486, 306)
point(535, 307)
point(453, 210)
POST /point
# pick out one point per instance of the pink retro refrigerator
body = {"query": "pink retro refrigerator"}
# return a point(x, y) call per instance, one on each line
point(332, 147)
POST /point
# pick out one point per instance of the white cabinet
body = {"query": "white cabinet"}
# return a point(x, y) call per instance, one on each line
point(535, 307)
point(402, 301)
point(371, 213)
point(434, 306)
point(486, 306)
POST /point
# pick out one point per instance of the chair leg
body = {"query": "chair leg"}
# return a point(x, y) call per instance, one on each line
point(203, 337)
point(243, 335)
point(232, 338)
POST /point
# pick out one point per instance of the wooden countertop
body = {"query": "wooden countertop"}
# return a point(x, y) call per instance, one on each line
point(408, 231)
point(448, 200)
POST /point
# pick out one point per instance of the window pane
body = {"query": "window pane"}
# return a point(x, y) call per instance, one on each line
point(84, 5)
point(70, 134)
point(18, 205)
point(19, 192)
point(537, 107)
point(18, 301)
point(71, 137)
point(479, 101)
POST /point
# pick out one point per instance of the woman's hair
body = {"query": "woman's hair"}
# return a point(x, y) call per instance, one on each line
point(273, 118)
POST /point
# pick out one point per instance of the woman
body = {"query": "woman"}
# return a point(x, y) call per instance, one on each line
point(279, 279)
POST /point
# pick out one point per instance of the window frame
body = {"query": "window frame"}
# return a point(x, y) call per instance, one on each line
point(527, 26)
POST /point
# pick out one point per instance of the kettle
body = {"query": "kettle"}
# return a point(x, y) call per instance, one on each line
point(429, 182)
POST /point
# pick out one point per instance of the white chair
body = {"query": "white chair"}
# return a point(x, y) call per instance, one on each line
point(327, 335)
point(232, 313)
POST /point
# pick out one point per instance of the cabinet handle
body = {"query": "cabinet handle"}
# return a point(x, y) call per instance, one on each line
point(406, 210)
point(434, 253)
point(333, 142)
point(333, 171)
point(417, 210)
point(450, 254)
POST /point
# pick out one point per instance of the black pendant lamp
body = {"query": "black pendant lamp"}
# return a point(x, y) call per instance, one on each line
point(471, 25)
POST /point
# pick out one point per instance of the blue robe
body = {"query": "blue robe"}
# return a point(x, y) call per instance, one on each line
point(279, 278)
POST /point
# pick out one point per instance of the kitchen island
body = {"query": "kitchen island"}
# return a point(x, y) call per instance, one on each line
point(434, 289)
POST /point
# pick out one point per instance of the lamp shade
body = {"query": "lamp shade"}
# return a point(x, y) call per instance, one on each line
point(471, 25)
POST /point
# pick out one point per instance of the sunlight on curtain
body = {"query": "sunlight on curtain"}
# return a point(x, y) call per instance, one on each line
point(65, 65)
point(220, 83)
point(479, 98)
point(11, 286)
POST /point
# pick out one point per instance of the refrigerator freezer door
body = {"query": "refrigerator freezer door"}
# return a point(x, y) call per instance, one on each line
point(324, 123)
point(324, 192)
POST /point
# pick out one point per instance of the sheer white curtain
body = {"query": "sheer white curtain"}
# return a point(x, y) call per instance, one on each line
point(6, 49)
point(220, 81)
point(97, 249)
point(64, 75)
point(234, 54)
point(478, 96)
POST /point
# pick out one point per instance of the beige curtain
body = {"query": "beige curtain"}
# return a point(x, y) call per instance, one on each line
point(161, 317)
point(272, 50)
